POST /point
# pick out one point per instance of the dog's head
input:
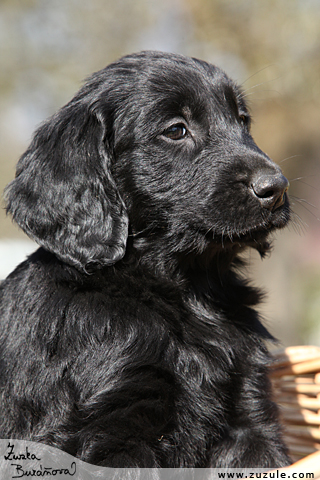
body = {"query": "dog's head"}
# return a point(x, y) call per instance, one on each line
point(156, 143)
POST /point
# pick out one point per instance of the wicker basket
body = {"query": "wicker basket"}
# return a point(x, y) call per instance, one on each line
point(295, 376)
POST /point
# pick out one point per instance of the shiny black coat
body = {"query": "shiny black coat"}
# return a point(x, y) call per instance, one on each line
point(130, 337)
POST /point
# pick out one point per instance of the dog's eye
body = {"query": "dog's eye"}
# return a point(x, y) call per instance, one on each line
point(244, 120)
point(176, 132)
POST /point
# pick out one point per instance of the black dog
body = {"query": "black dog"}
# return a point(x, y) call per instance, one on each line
point(129, 338)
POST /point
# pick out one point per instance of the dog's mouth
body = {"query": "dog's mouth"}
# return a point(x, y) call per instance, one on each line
point(255, 236)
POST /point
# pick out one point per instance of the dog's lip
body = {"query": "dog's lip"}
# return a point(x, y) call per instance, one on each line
point(281, 200)
point(253, 234)
point(256, 235)
point(263, 229)
point(256, 238)
point(278, 218)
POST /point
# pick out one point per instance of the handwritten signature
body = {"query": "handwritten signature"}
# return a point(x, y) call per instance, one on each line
point(21, 470)
point(41, 472)
point(11, 455)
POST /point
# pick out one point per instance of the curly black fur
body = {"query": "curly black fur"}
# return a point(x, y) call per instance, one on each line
point(130, 338)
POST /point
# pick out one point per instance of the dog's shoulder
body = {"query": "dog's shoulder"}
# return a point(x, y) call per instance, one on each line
point(44, 297)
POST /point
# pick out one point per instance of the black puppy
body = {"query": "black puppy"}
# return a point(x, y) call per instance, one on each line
point(129, 338)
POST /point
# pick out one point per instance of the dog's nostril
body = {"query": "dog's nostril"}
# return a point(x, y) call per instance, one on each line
point(267, 194)
point(270, 190)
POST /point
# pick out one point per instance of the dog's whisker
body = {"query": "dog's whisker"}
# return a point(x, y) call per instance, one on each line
point(290, 158)
point(262, 83)
point(246, 95)
point(303, 203)
point(300, 180)
point(256, 73)
point(250, 91)
point(303, 200)
point(252, 88)
point(300, 226)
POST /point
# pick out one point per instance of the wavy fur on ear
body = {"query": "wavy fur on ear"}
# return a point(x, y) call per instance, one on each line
point(64, 196)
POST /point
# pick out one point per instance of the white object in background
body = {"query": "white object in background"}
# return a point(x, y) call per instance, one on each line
point(13, 252)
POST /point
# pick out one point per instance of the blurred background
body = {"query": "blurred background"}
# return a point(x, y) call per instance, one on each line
point(270, 47)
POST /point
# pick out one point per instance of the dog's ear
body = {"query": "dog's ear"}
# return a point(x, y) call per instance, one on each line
point(64, 196)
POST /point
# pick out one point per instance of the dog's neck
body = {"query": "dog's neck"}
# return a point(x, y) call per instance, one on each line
point(214, 264)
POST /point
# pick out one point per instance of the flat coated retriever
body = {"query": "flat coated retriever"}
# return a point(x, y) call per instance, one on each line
point(130, 339)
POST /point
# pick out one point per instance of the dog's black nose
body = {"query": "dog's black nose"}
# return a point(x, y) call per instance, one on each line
point(270, 190)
